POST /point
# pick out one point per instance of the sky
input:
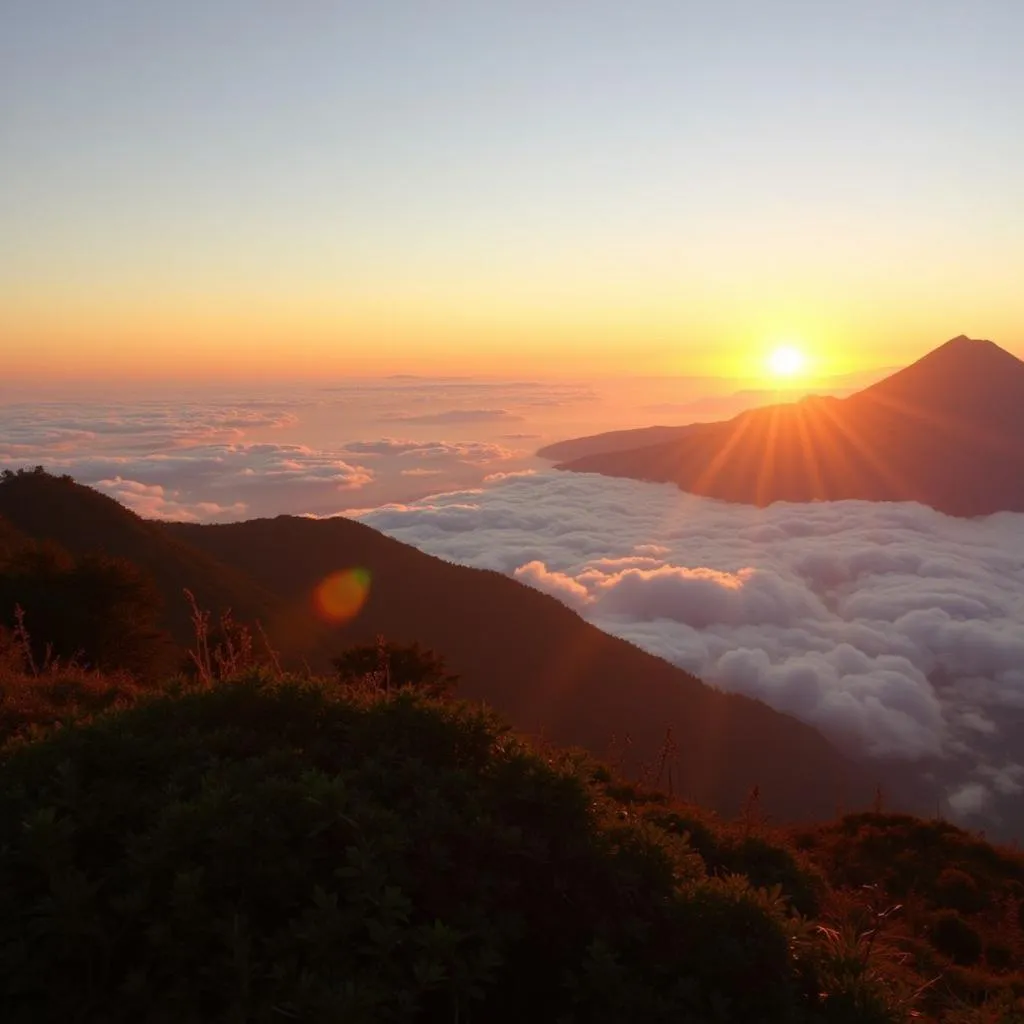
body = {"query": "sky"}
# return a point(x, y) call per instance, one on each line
point(310, 188)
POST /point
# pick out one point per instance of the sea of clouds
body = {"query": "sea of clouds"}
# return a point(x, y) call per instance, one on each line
point(897, 631)
point(894, 629)
point(222, 458)
point(214, 453)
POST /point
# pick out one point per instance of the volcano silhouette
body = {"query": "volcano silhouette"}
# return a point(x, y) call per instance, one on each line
point(947, 431)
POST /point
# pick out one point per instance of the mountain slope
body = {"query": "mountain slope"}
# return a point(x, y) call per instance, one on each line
point(614, 441)
point(544, 668)
point(538, 663)
point(11, 539)
point(947, 431)
point(83, 521)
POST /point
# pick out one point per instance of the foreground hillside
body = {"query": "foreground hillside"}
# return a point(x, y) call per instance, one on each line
point(947, 431)
point(82, 521)
point(263, 848)
point(533, 660)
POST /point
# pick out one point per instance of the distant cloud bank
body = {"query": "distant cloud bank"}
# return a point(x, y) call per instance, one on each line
point(213, 460)
point(456, 416)
point(897, 631)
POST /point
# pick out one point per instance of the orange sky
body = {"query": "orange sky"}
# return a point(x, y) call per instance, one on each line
point(273, 338)
point(227, 190)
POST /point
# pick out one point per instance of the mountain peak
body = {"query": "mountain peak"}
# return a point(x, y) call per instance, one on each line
point(963, 371)
point(964, 345)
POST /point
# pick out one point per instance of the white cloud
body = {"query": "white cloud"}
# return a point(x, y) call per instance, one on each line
point(471, 452)
point(154, 502)
point(42, 430)
point(494, 478)
point(894, 629)
point(455, 416)
point(970, 799)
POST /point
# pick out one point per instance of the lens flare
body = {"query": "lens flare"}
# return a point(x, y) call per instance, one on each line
point(341, 595)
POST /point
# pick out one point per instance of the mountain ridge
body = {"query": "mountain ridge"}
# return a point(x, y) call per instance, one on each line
point(538, 663)
point(947, 431)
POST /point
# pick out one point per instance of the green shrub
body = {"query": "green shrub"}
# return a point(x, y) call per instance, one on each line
point(765, 862)
point(272, 851)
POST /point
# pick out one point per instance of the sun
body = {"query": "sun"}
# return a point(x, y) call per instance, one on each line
point(786, 361)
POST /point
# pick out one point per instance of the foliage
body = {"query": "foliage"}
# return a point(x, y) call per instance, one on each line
point(396, 666)
point(263, 849)
point(99, 612)
point(953, 936)
point(765, 859)
point(31, 703)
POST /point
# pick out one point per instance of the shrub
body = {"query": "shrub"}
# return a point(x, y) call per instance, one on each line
point(766, 862)
point(267, 851)
point(957, 890)
point(952, 935)
point(396, 666)
point(98, 612)
point(62, 694)
point(999, 955)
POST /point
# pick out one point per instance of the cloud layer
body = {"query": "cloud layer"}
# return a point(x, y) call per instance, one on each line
point(213, 460)
point(897, 631)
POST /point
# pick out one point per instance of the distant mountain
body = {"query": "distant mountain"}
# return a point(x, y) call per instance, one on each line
point(614, 441)
point(947, 431)
point(538, 663)
point(711, 408)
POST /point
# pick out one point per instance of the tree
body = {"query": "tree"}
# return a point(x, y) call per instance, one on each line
point(100, 612)
point(396, 666)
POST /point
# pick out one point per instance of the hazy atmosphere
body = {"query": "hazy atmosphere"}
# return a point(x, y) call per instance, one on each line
point(512, 511)
point(254, 188)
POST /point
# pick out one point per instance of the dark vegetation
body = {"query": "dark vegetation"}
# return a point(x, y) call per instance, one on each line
point(260, 846)
point(101, 612)
point(395, 667)
point(236, 842)
point(945, 431)
point(81, 521)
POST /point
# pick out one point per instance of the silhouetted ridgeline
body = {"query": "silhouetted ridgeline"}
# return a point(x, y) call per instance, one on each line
point(947, 431)
point(535, 661)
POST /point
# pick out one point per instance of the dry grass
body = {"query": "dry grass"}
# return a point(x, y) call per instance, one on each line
point(229, 649)
point(35, 697)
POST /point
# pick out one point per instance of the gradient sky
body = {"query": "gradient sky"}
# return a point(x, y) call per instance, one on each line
point(307, 186)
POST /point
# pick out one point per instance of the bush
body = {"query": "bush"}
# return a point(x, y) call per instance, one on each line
point(97, 612)
point(952, 935)
point(272, 851)
point(767, 863)
point(30, 704)
point(396, 666)
point(957, 890)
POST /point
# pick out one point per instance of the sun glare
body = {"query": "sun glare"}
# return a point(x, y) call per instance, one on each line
point(786, 361)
